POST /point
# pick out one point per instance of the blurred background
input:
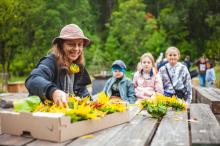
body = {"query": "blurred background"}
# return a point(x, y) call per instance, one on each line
point(118, 29)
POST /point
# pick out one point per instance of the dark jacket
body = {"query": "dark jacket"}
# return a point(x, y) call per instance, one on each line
point(48, 76)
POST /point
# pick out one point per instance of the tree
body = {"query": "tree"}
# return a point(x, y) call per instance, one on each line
point(12, 33)
point(132, 33)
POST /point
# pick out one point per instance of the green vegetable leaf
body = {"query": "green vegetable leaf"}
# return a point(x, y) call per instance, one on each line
point(26, 105)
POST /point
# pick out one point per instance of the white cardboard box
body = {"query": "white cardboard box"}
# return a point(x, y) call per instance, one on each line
point(55, 126)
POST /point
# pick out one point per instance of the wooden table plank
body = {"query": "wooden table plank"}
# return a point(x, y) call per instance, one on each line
point(137, 132)
point(46, 143)
point(207, 96)
point(194, 96)
point(99, 138)
point(213, 92)
point(11, 140)
point(205, 129)
point(173, 130)
point(216, 90)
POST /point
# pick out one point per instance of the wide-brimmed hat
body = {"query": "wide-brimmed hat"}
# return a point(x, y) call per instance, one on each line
point(71, 31)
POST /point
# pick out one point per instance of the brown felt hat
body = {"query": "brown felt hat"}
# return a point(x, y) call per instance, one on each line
point(71, 31)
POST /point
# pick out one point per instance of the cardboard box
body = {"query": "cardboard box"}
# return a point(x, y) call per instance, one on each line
point(55, 126)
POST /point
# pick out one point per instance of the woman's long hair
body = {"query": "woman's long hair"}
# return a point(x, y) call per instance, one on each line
point(62, 60)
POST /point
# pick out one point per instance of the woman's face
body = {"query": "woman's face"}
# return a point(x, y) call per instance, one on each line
point(146, 64)
point(172, 57)
point(73, 48)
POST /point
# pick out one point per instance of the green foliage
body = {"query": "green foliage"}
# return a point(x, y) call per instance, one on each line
point(131, 34)
point(213, 44)
point(26, 105)
point(157, 110)
point(122, 29)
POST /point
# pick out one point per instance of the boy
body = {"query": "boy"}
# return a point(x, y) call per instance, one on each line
point(119, 86)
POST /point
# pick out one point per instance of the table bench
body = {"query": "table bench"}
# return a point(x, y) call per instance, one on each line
point(210, 96)
point(197, 126)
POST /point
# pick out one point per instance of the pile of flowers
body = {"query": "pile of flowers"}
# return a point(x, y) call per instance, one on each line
point(78, 109)
point(158, 105)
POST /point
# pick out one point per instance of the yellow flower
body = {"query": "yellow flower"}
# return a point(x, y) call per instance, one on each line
point(73, 69)
point(83, 109)
point(103, 98)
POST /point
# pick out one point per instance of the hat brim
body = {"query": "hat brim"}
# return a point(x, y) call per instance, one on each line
point(86, 40)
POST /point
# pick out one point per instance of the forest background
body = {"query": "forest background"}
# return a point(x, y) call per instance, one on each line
point(118, 29)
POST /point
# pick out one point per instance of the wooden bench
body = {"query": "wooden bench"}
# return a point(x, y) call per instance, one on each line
point(210, 96)
point(197, 126)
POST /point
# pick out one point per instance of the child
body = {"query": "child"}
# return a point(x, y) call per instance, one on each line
point(210, 74)
point(201, 64)
point(175, 76)
point(119, 86)
point(146, 81)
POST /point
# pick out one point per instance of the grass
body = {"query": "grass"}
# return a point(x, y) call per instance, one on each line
point(217, 75)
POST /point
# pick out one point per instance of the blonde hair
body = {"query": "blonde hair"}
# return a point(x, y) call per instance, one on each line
point(62, 60)
point(148, 55)
point(173, 49)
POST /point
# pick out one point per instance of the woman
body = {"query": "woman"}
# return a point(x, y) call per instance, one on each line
point(62, 71)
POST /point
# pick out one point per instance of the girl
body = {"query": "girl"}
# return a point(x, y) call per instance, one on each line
point(146, 81)
point(210, 74)
point(175, 76)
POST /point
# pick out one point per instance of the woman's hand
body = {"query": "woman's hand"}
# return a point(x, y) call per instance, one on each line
point(60, 98)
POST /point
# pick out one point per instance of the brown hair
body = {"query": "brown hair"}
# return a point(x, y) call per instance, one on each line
point(62, 60)
point(148, 55)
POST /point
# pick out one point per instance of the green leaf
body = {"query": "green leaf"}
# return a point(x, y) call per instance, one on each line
point(26, 105)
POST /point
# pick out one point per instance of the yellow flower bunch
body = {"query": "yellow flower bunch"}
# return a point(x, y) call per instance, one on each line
point(173, 101)
point(157, 105)
point(83, 109)
point(107, 105)
point(73, 69)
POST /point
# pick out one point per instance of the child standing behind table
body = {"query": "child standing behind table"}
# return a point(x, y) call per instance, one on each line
point(210, 74)
point(146, 81)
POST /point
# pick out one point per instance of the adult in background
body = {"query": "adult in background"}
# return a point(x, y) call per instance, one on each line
point(62, 71)
point(187, 62)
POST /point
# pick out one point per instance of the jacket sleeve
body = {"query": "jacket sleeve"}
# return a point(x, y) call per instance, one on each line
point(135, 80)
point(158, 84)
point(131, 94)
point(40, 81)
point(188, 85)
point(105, 89)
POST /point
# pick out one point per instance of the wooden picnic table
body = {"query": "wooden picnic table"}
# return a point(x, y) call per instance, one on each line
point(210, 96)
point(196, 126)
